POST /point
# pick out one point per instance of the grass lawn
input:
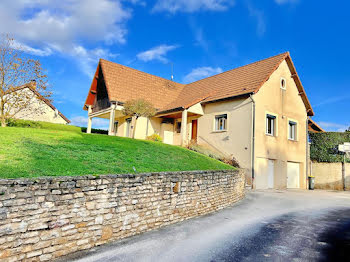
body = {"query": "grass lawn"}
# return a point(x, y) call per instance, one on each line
point(32, 152)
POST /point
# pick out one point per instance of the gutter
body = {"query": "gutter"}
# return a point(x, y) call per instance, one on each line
point(253, 140)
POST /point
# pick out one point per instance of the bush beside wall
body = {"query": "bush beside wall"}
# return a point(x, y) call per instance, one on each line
point(324, 146)
point(42, 219)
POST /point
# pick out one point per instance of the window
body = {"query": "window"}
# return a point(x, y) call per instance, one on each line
point(270, 125)
point(283, 83)
point(221, 122)
point(116, 124)
point(292, 127)
point(178, 127)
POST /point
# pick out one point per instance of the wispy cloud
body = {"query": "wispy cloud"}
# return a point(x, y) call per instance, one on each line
point(82, 121)
point(46, 51)
point(332, 100)
point(330, 126)
point(156, 53)
point(281, 2)
point(88, 59)
point(200, 38)
point(258, 15)
point(190, 6)
point(200, 73)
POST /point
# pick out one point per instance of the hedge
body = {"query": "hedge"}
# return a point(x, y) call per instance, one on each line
point(51, 126)
point(324, 146)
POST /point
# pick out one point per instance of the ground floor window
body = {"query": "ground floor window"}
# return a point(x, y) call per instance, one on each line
point(116, 124)
point(221, 122)
point(178, 127)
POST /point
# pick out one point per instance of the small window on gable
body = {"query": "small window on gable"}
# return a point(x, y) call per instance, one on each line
point(292, 130)
point(221, 122)
point(283, 83)
point(178, 127)
point(270, 125)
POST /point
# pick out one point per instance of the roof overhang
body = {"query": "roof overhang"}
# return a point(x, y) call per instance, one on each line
point(314, 127)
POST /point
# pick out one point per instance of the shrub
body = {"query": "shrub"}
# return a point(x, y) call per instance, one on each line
point(95, 131)
point(204, 150)
point(154, 137)
point(324, 146)
point(23, 123)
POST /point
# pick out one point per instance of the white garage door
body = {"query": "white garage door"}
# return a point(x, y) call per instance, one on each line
point(293, 175)
point(264, 175)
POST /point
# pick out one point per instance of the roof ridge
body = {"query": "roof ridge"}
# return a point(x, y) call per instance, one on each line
point(142, 71)
point(284, 53)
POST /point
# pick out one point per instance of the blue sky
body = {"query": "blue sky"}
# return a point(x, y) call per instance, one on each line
point(200, 37)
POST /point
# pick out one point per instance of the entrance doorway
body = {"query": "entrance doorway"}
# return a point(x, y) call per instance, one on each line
point(128, 127)
point(194, 130)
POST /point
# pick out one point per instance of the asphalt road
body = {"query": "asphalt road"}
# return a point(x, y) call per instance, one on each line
point(266, 226)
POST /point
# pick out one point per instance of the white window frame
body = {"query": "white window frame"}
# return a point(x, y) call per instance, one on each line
point(285, 83)
point(296, 129)
point(216, 119)
point(275, 126)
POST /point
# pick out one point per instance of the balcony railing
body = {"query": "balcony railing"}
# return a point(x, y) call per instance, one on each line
point(101, 104)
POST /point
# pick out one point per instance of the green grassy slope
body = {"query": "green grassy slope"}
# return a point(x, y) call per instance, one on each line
point(31, 152)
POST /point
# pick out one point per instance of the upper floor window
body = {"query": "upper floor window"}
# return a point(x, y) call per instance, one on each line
point(283, 83)
point(292, 130)
point(270, 125)
point(221, 122)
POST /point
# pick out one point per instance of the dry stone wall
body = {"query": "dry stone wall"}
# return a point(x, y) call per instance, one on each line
point(45, 218)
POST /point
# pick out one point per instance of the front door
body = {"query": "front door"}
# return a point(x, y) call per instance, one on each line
point(194, 130)
point(128, 127)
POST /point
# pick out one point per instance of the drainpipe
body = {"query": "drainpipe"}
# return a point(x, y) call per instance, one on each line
point(307, 152)
point(253, 140)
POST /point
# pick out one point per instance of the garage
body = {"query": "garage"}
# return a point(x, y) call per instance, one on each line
point(265, 173)
point(293, 175)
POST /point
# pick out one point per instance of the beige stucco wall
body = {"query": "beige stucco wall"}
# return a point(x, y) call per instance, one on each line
point(144, 127)
point(329, 175)
point(236, 140)
point(38, 110)
point(286, 104)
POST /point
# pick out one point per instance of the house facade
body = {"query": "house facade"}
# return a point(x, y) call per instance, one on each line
point(257, 114)
point(37, 107)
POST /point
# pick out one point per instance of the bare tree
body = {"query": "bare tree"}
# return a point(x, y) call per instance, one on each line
point(137, 108)
point(18, 71)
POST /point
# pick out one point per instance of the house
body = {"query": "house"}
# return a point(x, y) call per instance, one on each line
point(257, 113)
point(37, 107)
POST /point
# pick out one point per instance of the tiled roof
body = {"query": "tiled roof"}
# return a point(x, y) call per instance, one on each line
point(124, 83)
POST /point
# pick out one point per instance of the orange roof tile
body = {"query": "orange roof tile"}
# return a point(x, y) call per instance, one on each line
point(124, 83)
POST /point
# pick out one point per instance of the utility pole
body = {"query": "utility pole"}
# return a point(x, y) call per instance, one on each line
point(345, 148)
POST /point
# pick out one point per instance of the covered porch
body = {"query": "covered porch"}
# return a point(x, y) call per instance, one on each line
point(111, 113)
point(168, 125)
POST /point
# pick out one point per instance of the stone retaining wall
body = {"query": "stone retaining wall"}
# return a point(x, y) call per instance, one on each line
point(45, 218)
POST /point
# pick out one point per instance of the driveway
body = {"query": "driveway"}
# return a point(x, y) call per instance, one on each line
point(265, 226)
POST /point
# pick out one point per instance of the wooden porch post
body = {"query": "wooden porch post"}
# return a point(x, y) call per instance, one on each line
point(88, 130)
point(111, 121)
point(184, 128)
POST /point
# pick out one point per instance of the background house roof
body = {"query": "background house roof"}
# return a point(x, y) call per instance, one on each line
point(314, 127)
point(124, 83)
